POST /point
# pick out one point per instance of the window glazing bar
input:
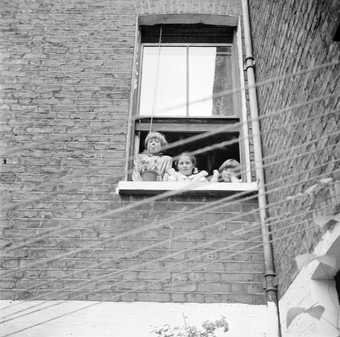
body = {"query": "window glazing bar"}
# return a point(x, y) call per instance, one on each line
point(187, 82)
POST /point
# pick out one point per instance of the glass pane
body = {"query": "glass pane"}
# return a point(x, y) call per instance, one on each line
point(210, 74)
point(163, 90)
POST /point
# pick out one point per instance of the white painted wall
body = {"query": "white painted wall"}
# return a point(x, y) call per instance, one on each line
point(136, 319)
point(306, 291)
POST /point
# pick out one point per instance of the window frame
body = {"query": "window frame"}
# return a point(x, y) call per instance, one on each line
point(239, 105)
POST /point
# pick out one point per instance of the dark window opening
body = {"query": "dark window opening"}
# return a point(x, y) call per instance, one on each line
point(207, 160)
point(187, 33)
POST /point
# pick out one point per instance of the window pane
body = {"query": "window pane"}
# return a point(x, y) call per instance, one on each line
point(210, 73)
point(163, 91)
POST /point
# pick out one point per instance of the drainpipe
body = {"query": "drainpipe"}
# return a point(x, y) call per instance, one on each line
point(270, 286)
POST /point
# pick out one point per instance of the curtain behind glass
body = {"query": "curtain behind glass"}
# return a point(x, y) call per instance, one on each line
point(222, 101)
point(186, 81)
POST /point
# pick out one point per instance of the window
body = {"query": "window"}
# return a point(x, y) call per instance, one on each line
point(180, 80)
point(176, 129)
point(183, 72)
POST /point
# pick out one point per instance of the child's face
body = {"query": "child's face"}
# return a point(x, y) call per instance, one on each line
point(185, 165)
point(154, 145)
point(227, 174)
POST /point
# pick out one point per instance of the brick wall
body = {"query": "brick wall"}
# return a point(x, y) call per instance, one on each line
point(225, 276)
point(289, 36)
point(66, 68)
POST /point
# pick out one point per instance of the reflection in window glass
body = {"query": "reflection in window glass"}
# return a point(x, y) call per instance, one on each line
point(188, 81)
point(167, 88)
point(201, 80)
point(223, 82)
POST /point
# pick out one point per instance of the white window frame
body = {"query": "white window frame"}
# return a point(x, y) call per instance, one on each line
point(132, 142)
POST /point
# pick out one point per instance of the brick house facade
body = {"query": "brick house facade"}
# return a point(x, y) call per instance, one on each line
point(68, 77)
point(67, 69)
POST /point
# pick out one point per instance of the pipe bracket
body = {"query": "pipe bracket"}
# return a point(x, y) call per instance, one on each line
point(249, 62)
point(270, 282)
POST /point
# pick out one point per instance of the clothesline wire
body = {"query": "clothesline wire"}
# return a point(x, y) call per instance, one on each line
point(241, 231)
point(223, 93)
point(218, 145)
point(101, 242)
point(265, 134)
point(35, 199)
point(298, 155)
point(119, 295)
point(37, 238)
point(257, 84)
point(237, 232)
point(279, 161)
point(202, 229)
point(231, 127)
point(231, 142)
point(82, 172)
point(73, 228)
point(269, 220)
point(62, 228)
point(251, 228)
point(62, 315)
point(250, 240)
point(286, 77)
point(255, 239)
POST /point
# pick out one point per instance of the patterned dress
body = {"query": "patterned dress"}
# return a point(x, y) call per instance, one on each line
point(146, 163)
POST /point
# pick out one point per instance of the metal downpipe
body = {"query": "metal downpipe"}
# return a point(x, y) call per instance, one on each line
point(270, 286)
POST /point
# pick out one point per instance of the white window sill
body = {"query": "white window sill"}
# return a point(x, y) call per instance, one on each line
point(156, 187)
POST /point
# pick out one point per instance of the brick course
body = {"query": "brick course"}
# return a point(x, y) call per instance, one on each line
point(289, 36)
point(66, 68)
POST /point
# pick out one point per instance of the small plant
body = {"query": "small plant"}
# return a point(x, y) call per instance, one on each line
point(208, 329)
